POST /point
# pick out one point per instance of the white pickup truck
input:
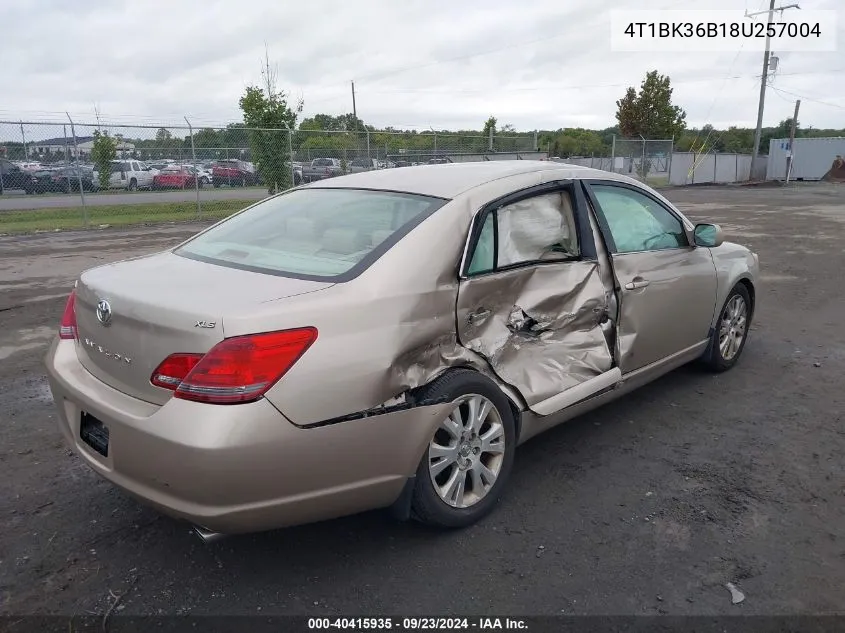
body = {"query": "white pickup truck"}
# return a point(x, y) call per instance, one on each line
point(130, 175)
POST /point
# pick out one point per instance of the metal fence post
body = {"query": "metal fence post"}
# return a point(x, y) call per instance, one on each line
point(23, 138)
point(67, 150)
point(490, 142)
point(196, 174)
point(290, 155)
point(671, 154)
point(368, 145)
point(79, 173)
point(613, 154)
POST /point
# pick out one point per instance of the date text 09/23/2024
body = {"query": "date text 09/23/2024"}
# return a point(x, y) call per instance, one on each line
point(417, 624)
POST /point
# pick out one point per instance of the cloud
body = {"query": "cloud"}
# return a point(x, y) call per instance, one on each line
point(416, 63)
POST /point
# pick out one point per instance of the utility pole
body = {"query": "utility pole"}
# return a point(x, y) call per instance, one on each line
point(765, 75)
point(791, 156)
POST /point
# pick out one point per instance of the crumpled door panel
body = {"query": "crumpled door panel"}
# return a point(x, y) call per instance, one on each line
point(538, 327)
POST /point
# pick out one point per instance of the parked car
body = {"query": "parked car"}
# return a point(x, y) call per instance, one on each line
point(357, 165)
point(321, 168)
point(203, 174)
point(13, 176)
point(40, 181)
point(311, 360)
point(235, 173)
point(176, 177)
point(65, 179)
point(130, 175)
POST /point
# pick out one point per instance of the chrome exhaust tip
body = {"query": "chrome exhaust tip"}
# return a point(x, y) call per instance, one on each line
point(207, 536)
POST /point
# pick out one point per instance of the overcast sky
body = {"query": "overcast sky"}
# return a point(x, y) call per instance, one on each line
point(416, 63)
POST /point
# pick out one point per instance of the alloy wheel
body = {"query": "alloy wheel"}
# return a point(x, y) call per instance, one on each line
point(733, 327)
point(466, 454)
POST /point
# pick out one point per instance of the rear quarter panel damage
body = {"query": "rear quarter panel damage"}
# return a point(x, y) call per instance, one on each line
point(394, 328)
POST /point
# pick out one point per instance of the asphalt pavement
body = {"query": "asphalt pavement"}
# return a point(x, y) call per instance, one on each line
point(649, 505)
point(16, 200)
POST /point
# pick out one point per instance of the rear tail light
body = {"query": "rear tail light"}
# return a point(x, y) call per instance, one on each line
point(67, 328)
point(174, 369)
point(236, 370)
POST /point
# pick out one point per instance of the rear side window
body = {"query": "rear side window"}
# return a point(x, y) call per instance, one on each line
point(324, 234)
point(536, 229)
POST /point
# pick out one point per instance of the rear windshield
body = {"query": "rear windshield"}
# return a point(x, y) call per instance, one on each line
point(323, 162)
point(324, 234)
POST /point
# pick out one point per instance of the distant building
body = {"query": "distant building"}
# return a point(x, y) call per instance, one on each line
point(85, 144)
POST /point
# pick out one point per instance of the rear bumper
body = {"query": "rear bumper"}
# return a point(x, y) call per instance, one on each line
point(238, 468)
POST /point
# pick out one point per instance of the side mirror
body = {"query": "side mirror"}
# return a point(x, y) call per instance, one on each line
point(708, 235)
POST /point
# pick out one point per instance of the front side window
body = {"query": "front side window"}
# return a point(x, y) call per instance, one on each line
point(311, 233)
point(637, 222)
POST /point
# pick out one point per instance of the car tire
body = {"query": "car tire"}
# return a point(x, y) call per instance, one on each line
point(133, 185)
point(429, 505)
point(731, 332)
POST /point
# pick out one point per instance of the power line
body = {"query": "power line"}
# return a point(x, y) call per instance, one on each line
point(721, 90)
point(806, 98)
point(553, 88)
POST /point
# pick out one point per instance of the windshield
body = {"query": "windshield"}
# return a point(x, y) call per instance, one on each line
point(312, 233)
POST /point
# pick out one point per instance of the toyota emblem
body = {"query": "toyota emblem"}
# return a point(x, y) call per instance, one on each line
point(104, 312)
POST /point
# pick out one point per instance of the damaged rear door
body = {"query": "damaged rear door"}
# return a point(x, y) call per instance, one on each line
point(531, 299)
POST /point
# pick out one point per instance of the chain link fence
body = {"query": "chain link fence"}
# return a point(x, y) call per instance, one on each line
point(648, 160)
point(58, 175)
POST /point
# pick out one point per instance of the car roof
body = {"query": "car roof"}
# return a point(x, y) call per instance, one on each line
point(450, 180)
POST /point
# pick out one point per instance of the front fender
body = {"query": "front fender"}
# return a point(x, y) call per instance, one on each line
point(734, 263)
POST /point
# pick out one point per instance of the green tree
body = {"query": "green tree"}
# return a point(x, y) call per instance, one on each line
point(266, 108)
point(650, 113)
point(103, 151)
point(489, 125)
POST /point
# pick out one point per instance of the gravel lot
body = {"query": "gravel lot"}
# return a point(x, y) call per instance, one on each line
point(648, 505)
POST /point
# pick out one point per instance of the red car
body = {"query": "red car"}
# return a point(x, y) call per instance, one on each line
point(176, 177)
point(235, 173)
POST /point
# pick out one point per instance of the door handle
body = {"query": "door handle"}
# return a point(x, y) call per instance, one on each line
point(478, 316)
point(638, 282)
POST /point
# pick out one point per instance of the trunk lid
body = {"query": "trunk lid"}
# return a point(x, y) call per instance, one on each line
point(159, 305)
